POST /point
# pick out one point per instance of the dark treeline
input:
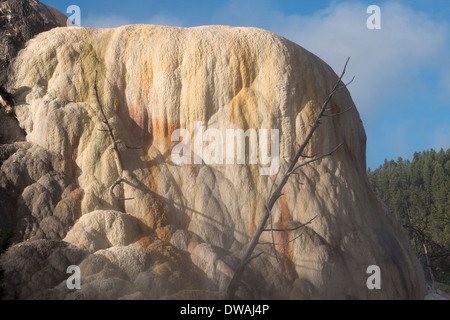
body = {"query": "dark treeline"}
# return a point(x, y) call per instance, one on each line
point(418, 193)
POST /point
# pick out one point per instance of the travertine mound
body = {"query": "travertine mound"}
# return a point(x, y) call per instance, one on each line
point(186, 226)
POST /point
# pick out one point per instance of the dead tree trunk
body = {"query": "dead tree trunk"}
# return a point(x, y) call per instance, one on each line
point(430, 270)
point(115, 148)
point(421, 236)
point(274, 196)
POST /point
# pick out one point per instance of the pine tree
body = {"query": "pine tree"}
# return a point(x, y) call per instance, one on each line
point(417, 192)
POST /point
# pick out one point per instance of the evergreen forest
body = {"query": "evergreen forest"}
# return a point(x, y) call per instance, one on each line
point(417, 192)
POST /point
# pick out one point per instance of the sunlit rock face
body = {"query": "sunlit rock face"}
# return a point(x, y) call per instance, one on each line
point(21, 20)
point(186, 225)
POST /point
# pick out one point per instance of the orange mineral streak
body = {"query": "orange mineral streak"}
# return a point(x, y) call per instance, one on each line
point(157, 217)
point(161, 136)
point(141, 127)
point(252, 226)
point(77, 194)
point(282, 237)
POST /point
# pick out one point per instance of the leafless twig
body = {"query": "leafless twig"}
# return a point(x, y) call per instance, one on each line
point(115, 143)
point(293, 166)
point(293, 228)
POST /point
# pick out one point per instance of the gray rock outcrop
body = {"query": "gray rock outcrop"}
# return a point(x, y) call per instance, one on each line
point(21, 20)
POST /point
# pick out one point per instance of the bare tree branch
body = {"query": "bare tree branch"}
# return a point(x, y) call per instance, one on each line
point(346, 85)
point(273, 236)
point(315, 159)
point(281, 243)
point(232, 286)
point(308, 157)
point(338, 114)
point(294, 228)
point(114, 185)
point(109, 129)
point(286, 230)
point(115, 146)
point(254, 257)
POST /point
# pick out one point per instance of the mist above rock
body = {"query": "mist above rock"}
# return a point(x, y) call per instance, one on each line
point(183, 232)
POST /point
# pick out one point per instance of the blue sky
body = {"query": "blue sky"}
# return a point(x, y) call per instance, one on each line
point(402, 70)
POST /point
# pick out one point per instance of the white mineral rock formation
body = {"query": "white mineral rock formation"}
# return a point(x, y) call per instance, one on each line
point(187, 225)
